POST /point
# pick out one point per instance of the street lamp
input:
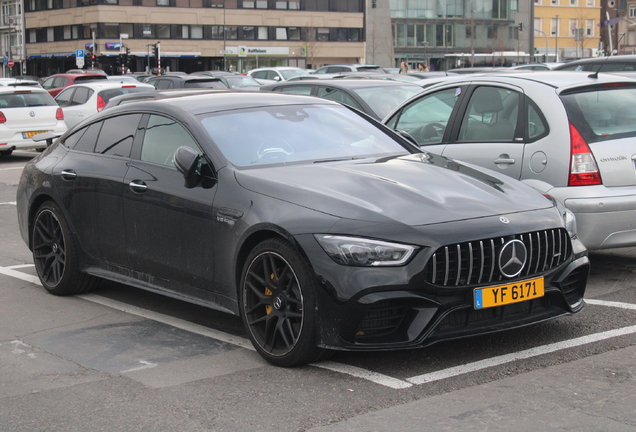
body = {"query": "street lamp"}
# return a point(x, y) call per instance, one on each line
point(425, 44)
point(556, 41)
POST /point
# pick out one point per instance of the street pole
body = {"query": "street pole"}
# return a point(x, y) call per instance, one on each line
point(93, 51)
point(224, 40)
point(556, 41)
point(158, 57)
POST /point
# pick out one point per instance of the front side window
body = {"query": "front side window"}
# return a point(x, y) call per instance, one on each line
point(491, 115)
point(427, 118)
point(117, 135)
point(338, 96)
point(163, 136)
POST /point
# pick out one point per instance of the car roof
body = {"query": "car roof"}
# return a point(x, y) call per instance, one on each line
point(75, 75)
point(556, 79)
point(107, 84)
point(352, 83)
point(21, 89)
point(223, 100)
point(598, 60)
point(187, 77)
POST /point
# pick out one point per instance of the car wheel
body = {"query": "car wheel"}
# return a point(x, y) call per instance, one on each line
point(278, 304)
point(6, 152)
point(55, 255)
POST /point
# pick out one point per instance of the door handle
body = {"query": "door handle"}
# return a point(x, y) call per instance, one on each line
point(68, 174)
point(504, 159)
point(138, 186)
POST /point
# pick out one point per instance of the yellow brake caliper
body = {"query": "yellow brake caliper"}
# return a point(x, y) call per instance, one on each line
point(268, 308)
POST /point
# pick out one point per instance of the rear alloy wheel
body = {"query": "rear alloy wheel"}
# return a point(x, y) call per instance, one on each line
point(55, 256)
point(278, 304)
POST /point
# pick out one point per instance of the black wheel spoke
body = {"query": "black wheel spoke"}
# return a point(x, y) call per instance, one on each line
point(49, 250)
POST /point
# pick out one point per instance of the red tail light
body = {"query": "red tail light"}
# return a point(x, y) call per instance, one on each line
point(3, 119)
point(583, 168)
point(59, 114)
point(100, 103)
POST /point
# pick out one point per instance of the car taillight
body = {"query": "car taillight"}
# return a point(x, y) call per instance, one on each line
point(59, 114)
point(100, 103)
point(583, 168)
point(3, 119)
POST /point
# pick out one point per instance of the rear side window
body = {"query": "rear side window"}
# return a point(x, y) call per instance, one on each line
point(304, 90)
point(90, 78)
point(84, 139)
point(337, 95)
point(117, 135)
point(20, 100)
point(603, 113)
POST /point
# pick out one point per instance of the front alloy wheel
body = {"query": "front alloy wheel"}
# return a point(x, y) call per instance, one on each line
point(278, 304)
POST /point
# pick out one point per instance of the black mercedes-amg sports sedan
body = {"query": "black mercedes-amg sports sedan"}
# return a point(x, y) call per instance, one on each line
point(323, 229)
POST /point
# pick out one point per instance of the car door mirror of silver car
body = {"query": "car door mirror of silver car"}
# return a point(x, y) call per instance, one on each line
point(188, 162)
point(408, 136)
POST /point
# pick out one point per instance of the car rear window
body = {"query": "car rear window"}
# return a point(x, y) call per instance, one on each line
point(26, 99)
point(111, 93)
point(213, 83)
point(90, 78)
point(603, 112)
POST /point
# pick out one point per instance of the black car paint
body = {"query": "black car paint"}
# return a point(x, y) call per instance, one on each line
point(190, 243)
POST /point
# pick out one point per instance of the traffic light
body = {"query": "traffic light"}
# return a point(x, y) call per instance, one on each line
point(126, 56)
point(520, 26)
point(155, 50)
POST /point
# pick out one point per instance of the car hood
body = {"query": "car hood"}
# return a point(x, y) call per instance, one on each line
point(418, 189)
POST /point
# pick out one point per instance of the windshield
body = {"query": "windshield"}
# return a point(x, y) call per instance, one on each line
point(241, 81)
point(21, 99)
point(288, 73)
point(215, 83)
point(297, 134)
point(602, 113)
point(383, 100)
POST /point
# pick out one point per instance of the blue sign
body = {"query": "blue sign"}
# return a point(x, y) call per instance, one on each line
point(4, 61)
point(79, 53)
point(113, 45)
point(88, 46)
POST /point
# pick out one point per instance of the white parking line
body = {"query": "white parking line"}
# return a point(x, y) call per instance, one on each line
point(11, 168)
point(8, 203)
point(19, 266)
point(354, 371)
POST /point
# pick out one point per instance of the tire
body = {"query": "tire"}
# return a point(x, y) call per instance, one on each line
point(55, 255)
point(277, 296)
point(6, 152)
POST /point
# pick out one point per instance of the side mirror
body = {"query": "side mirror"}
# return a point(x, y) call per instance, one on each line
point(49, 137)
point(408, 136)
point(187, 161)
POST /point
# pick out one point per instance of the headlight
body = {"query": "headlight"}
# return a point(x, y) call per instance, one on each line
point(354, 251)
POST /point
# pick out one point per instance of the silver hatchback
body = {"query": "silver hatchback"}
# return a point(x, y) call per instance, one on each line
point(571, 135)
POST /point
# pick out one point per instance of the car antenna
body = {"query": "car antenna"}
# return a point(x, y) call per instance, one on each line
point(595, 74)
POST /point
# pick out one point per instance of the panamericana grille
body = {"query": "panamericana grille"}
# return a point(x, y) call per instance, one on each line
point(475, 262)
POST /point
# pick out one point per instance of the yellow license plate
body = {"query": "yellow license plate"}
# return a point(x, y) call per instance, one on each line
point(510, 293)
point(32, 134)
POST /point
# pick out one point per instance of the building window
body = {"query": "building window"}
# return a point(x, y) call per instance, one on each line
point(127, 28)
point(196, 32)
point(216, 32)
point(249, 33)
point(50, 34)
point(573, 27)
point(631, 37)
point(537, 2)
point(163, 31)
point(149, 31)
point(259, 4)
point(554, 2)
point(263, 33)
point(492, 32)
point(32, 36)
point(554, 31)
point(322, 35)
point(632, 12)
point(574, 2)
point(111, 30)
point(589, 27)
point(163, 2)
point(590, 2)
point(281, 33)
point(183, 32)
point(231, 32)
point(288, 4)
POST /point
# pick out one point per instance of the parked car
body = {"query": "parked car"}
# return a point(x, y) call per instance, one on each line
point(617, 63)
point(155, 94)
point(18, 81)
point(123, 79)
point(80, 101)
point(24, 113)
point(376, 98)
point(57, 82)
point(232, 80)
point(164, 82)
point(339, 68)
point(89, 70)
point(567, 134)
point(271, 75)
point(322, 228)
point(536, 66)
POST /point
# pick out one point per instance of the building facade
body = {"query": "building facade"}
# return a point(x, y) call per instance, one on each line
point(12, 34)
point(456, 33)
point(193, 35)
point(567, 29)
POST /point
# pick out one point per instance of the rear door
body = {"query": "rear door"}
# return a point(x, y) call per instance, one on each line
point(73, 101)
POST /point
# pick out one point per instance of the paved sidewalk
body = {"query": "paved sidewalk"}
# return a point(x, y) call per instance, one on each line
point(597, 393)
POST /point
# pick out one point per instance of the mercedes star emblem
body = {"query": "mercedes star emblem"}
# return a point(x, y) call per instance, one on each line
point(512, 258)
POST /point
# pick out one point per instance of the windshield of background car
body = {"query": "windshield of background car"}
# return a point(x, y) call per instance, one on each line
point(241, 81)
point(111, 93)
point(288, 73)
point(215, 83)
point(603, 113)
point(297, 134)
point(26, 99)
point(383, 100)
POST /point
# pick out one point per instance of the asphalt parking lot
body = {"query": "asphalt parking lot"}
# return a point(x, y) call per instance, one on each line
point(124, 359)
